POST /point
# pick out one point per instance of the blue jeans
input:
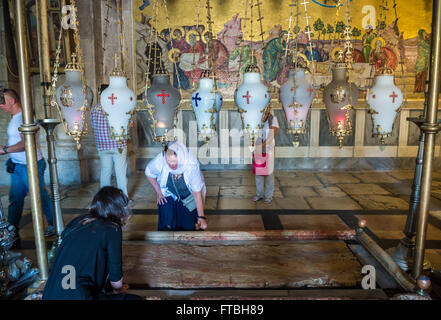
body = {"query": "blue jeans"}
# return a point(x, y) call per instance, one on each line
point(19, 189)
point(109, 159)
point(173, 215)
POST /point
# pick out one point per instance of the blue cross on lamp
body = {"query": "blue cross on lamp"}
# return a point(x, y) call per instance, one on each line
point(196, 98)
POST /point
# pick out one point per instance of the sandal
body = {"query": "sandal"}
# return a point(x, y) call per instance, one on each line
point(256, 198)
point(268, 201)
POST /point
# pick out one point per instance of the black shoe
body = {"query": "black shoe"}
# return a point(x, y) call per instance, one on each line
point(50, 231)
point(16, 241)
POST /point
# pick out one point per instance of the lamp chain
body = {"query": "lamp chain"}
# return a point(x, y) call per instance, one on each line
point(212, 66)
point(175, 117)
point(400, 49)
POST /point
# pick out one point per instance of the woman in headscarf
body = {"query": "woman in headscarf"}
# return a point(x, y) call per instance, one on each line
point(180, 188)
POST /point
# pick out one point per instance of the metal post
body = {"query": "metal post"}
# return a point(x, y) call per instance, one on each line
point(403, 253)
point(430, 128)
point(29, 130)
point(44, 55)
point(49, 124)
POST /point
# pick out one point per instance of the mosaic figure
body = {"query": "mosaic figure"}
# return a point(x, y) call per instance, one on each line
point(422, 62)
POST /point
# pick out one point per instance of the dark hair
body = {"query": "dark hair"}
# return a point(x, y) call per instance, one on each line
point(166, 149)
point(12, 93)
point(110, 204)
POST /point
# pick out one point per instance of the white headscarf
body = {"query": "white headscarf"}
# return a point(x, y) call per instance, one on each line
point(188, 165)
point(186, 159)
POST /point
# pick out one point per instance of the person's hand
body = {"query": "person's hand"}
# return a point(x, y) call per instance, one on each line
point(160, 199)
point(202, 224)
point(124, 289)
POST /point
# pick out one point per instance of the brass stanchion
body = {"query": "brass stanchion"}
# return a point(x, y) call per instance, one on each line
point(29, 129)
point(430, 128)
point(49, 124)
point(404, 252)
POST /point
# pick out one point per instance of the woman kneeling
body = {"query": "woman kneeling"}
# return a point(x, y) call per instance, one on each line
point(180, 188)
point(88, 263)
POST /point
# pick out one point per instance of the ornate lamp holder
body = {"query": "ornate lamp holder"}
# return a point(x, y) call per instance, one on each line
point(162, 104)
point(296, 96)
point(340, 96)
point(385, 100)
point(73, 100)
point(206, 103)
point(252, 98)
point(118, 103)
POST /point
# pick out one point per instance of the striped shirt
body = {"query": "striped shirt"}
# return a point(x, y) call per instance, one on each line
point(101, 131)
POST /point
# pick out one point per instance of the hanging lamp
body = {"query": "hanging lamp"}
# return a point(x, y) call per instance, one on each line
point(118, 103)
point(72, 99)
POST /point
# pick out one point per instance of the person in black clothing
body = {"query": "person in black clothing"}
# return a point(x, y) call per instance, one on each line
point(90, 253)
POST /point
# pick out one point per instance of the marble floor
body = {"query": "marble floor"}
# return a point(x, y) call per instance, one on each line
point(304, 200)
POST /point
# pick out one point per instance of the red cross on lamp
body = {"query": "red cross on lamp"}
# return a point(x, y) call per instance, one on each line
point(118, 103)
point(252, 98)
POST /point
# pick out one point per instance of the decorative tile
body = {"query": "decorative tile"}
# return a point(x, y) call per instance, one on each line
point(229, 203)
point(362, 188)
point(402, 175)
point(273, 205)
point(377, 202)
point(298, 192)
point(222, 181)
point(326, 191)
point(375, 177)
point(145, 204)
point(234, 222)
point(76, 202)
point(434, 257)
point(402, 188)
point(238, 191)
point(337, 177)
point(292, 203)
point(312, 222)
point(142, 223)
point(327, 203)
point(211, 203)
point(390, 227)
point(212, 191)
point(250, 181)
point(296, 181)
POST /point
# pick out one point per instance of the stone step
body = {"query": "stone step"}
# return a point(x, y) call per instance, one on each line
point(265, 294)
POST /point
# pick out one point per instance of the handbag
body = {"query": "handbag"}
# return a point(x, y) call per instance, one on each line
point(10, 166)
point(189, 202)
point(260, 164)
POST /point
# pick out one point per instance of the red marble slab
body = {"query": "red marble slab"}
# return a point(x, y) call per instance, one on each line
point(275, 235)
point(263, 264)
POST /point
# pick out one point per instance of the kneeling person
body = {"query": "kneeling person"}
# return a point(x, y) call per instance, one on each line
point(180, 188)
